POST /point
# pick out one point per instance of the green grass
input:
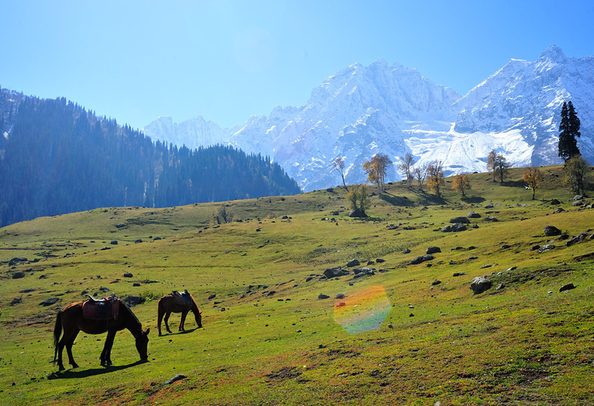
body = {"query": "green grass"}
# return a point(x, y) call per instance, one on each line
point(269, 339)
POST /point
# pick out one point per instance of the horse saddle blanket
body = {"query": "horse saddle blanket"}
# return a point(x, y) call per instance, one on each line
point(105, 309)
point(182, 298)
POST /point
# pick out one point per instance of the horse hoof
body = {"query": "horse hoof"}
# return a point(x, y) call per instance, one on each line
point(74, 365)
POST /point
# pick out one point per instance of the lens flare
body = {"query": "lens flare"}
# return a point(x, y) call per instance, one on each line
point(362, 310)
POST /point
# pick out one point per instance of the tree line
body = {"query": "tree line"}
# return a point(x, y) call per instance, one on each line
point(56, 157)
point(432, 175)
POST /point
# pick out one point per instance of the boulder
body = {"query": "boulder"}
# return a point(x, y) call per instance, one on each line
point(576, 239)
point(453, 228)
point(551, 231)
point(421, 259)
point(357, 213)
point(545, 248)
point(462, 220)
point(335, 272)
point(568, 286)
point(555, 202)
point(432, 250)
point(473, 215)
point(322, 296)
point(480, 284)
point(353, 262)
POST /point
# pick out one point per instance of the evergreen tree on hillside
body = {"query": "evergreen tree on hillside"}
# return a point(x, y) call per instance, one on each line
point(569, 129)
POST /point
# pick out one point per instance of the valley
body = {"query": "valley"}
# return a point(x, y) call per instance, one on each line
point(276, 330)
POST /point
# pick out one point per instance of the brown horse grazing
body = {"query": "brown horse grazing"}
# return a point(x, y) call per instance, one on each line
point(70, 319)
point(170, 304)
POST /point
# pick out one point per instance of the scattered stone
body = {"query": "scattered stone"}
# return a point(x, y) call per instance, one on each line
point(491, 218)
point(500, 286)
point(357, 213)
point(473, 215)
point(212, 296)
point(322, 296)
point(16, 300)
point(380, 260)
point(176, 378)
point(49, 302)
point(456, 274)
point(136, 284)
point(18, 275)
point(406, 251)
point(568, 286)
point(551, 231)
point(340, 296)
point(480, 284)
point(411, 315)
point(576, 239)
point(453, 228)
point(353, 262)
point(535, 247)
point(114, 242)
point(132, 301)
point(461, 220)
point(545, 248)
point(128, 275)
point(335, 272)
point(421, 259)
point(578, 197)
point(489, 206)
point(138, 241)
point(435, 282)
point(555, 202)
point(432, 250)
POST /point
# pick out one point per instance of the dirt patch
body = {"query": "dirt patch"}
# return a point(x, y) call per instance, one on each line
point(284, 374)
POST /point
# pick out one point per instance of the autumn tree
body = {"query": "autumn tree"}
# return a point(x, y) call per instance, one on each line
point(359, 200)
point(501, 167)
point(532, 177)
point(405, 167)
point(575, 174)
point(338, 166)
point(569, 129)
point(461, 184)
point(435, 177)
point(376, 169)
point(491, 163)
point(223, 215)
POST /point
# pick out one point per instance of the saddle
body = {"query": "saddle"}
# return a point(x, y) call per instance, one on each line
point(182, 298)
point(101, 309)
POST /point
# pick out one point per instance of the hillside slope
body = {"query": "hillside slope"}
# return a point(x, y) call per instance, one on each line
point(279, 328)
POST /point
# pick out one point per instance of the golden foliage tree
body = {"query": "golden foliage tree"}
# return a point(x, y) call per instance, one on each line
point(532, 177)
point(435, 177)
point(461, 184)
point(376, 170)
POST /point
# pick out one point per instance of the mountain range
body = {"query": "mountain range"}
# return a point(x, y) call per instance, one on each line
point(393, 109)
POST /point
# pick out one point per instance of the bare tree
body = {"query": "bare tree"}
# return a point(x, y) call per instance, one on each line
point(419, 172)
point(338, 166)
point(491, 163)
point(405, 167)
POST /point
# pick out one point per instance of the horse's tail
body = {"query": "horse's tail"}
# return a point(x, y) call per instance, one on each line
point(57, 333)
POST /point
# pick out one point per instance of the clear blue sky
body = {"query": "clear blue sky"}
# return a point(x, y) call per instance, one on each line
point(135, 60)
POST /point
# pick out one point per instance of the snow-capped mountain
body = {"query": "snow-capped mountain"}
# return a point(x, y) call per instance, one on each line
point(361, 111)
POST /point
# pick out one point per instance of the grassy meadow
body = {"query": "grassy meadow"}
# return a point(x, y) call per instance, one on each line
point(276, 332)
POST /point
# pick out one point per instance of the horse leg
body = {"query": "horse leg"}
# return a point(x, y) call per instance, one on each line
point(67, 341)
point(106, 353)
point(183, 320)
point(167, 321)
point(160, 318)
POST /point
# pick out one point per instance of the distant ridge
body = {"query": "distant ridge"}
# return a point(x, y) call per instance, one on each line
point(392, 109)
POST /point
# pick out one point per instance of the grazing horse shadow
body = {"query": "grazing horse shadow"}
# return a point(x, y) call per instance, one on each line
point(75, 373)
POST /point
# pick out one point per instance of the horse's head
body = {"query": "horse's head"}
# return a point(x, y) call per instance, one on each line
point(198, 316)
point(142, 344)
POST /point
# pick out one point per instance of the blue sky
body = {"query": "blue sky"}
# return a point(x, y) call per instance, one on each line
point(226, 60)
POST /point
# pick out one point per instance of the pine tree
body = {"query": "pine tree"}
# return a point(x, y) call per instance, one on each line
point(569, 129)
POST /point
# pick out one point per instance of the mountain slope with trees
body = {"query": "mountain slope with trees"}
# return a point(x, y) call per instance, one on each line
point(56, 157)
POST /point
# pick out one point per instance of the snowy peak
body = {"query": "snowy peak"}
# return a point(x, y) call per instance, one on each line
point(553, 54)
point(362, 110)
